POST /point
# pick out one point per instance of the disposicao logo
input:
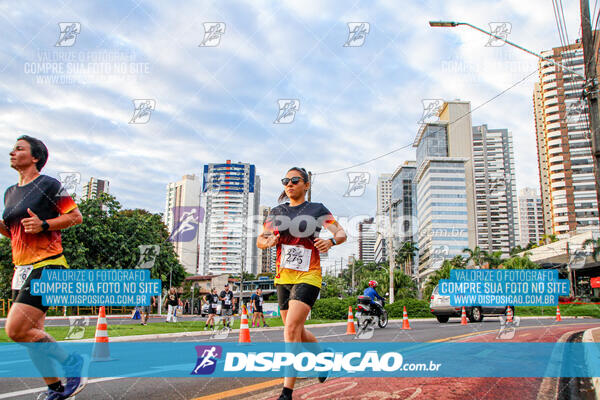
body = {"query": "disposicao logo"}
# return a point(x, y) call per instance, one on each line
point(207, 359)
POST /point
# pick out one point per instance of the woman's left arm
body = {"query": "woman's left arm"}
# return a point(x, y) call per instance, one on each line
point(323, 245)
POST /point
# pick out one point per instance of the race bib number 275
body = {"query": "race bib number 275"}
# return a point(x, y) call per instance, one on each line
point(295, 257)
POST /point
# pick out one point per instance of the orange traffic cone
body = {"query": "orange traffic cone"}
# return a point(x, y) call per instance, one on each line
point(101, 352)
point(558, 318)
point(463, 317)
point(405, 323)
point(244, 331)
point(509, 314)
point(350, 330)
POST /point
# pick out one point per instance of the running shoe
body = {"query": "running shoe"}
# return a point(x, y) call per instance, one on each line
point(325, 374)
point(265, 324)
point(51, 395)
point(284, 397)
point(75, 368)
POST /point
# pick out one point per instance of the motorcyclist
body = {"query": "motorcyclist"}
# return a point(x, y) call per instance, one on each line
point(372, 293)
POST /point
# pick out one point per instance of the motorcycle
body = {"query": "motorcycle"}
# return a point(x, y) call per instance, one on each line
point(367, 315)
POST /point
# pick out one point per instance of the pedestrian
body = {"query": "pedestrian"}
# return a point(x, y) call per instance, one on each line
point(36, 209)
point(294, 228)
point(172, 301)
point(227, 302)
point(147, 310)
point(213, 302)
point(186, 307)
point(257, 306)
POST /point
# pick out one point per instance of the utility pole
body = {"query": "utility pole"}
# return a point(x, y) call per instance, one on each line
point(391, 250)
point(591, 89)
point(310, 184)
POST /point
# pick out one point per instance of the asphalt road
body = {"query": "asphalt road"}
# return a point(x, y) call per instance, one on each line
point(532, 330)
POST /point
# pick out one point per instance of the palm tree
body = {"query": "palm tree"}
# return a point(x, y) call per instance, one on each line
point(405, 255)
point(494, 259)
point(458, 262)
point(476, 255)
point(595, 247)
point(516, 250)
point(547, 239)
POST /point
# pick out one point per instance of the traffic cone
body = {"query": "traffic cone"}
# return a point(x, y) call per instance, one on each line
point(509, 314)
point(101, 352)
point(350, 330)
point(558, 318)
point(244, 331)
point(405, 324)
point(463, 317)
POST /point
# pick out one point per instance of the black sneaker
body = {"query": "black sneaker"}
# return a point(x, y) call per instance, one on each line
point(325, 374)
point(284, 397)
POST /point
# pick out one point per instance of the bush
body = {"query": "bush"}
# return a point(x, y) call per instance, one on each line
point(332, 308)
point(414, 307)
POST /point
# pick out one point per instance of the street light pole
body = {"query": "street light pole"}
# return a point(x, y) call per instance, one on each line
point(590, 86)
point(392, 258)
point(452, 24)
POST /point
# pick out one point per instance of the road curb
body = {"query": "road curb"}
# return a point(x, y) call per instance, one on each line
point(592, 355)
point(549, 387)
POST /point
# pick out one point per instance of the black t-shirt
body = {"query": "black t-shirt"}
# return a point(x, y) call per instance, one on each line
point(173, 299)
point(228, 301)
point(298, 226)
point(46, 198)
point(213, 300)
point(258, 301)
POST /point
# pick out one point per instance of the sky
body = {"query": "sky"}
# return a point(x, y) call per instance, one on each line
point(216, 98)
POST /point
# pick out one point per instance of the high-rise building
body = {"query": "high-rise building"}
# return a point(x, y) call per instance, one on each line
point(445, 191)
point(404, 207)
point(231, 200)
point(367, 235)
point(183, 217)
point(568, 188)
point(495, 189)
point(384, 192)
point(531, 216)
point(543, 171)
point(266, 257)
point(94, 187)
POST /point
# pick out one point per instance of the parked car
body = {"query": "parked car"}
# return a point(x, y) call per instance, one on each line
point(204, 309)
point(441, 308)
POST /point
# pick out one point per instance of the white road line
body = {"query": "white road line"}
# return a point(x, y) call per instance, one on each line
point(41, 389)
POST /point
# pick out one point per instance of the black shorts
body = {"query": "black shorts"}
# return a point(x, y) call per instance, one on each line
point(258, 309)
point(24, 295)
point(300, 291)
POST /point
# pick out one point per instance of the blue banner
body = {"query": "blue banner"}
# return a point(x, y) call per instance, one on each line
point(503, 287)
point(95, 287)
point(185, 359)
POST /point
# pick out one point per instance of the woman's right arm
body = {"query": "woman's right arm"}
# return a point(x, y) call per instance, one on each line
point(266, 240)
point(4, 229)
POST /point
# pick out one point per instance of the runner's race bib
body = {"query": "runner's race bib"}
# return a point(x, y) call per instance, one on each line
point(227, 302)
point(296, 257)
point(20, 276)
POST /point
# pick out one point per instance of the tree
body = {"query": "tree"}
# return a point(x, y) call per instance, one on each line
point(516, 250)
point(476, 255)
point(458, 262)
point(434, 278)
point(333, 287)
point(494, 259)
point(520, 262)
point(110, 238)
point(595, 244)
point(6, 268)
point(406, 254)
point(547, 239)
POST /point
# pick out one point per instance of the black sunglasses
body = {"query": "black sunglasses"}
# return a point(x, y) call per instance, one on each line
point(294, 180)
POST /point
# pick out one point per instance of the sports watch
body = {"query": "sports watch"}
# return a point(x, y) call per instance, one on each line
point(45, 225)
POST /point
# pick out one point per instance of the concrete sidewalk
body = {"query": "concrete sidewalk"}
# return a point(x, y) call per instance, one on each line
point(592, 355)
